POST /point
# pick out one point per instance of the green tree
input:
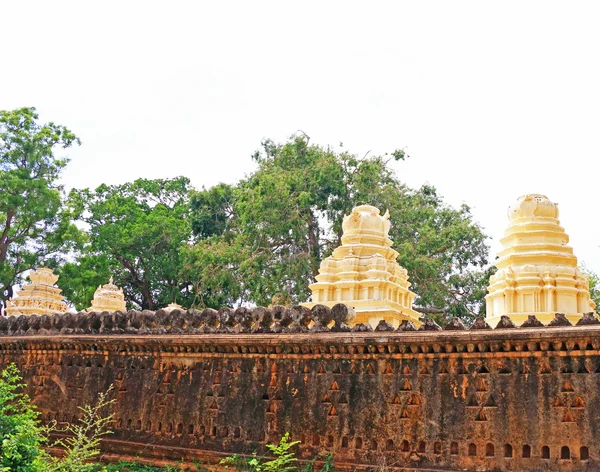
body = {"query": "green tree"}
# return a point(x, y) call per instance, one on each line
point(135, 232)
point(33, 224)
point(282, 220)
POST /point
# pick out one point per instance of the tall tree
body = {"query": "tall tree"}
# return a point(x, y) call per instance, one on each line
point(287, 216)
point(136, 232)
point(33, 224)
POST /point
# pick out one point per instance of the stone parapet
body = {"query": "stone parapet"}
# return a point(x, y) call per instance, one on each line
point(258, 320)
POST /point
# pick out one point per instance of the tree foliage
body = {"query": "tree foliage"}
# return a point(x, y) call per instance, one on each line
point(259, 239)
point(594, 281)
point(21, 436)
point(135, 232)
point(32, 221)
point(265, 236)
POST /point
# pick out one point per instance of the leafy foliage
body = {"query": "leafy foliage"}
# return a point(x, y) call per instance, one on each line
point(22, 439)
point(33, 223)
point(123, 466)
point(136, 231)
point(265, 237)
point(594, 280)
point(284, 460)
point(259, 240)
point(21, 436)
point(82, 443)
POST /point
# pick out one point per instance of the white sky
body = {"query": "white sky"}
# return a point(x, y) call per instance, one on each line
point(491, 99)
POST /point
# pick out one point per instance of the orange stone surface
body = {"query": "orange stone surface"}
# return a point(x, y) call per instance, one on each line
point(519, 399)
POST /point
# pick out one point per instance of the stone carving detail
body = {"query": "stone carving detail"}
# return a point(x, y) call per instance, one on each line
point(364, 273)
point(40, 297)
point(109, 298)
point(537, 270)
point(259, 320)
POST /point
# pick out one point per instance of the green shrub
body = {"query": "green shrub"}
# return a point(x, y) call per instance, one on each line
point(285, 460)
point(82, 445)
point(21, 436)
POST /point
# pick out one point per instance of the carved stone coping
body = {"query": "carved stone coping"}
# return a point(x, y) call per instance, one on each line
point(584, 340)
point(259, 320)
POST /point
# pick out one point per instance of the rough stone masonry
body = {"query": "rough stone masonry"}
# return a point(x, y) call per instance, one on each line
point(203, 385)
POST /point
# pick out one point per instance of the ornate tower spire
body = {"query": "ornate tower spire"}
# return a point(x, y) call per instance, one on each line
point(537, 270)
point(108, 297)
point(40, 297)
point(363, 272)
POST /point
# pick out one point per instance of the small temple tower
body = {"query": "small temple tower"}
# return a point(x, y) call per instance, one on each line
point(173, 306)
point(40, 297)
point(363, 272)
point(537, 270)
point(108, 297)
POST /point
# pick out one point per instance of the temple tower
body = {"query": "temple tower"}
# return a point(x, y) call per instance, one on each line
point(537, 270)
point(40, 297)
point(108, 297)
point(173, 306)
point(364, 273)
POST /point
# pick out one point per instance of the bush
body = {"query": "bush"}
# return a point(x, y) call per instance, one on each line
point(82, 445)
point(285, 460)
point(21, 436)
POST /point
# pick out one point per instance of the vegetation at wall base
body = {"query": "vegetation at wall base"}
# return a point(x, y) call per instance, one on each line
point(23, 440)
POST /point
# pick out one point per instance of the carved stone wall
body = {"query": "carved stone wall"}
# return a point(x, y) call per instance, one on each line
point(505, 399)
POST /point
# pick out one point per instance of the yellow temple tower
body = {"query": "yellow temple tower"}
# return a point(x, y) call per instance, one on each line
point(537, 270)
point(364, 273)
point(108, 297)
point(173, 306)
point(40, 297)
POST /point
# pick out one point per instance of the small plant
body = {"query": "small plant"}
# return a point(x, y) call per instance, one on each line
point(285, 460)
point(123, 466)
point(82, 445)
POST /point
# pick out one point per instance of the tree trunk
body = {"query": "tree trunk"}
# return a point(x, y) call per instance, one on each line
point(147, 300)
point(4, 236)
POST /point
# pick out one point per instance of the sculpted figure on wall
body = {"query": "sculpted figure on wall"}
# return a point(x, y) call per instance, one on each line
point(537, 270)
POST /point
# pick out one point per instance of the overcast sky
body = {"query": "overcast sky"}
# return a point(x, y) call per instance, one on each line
point(490, 99)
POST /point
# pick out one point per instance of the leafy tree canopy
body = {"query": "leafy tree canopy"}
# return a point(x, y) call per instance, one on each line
point(136, 233)
point(259, 239)
point(265, 236)
point(32, 223)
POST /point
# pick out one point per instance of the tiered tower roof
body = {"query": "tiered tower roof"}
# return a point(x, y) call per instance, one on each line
point(364, 273)
point(108, 297)
point(537, 270)
point(40, 297)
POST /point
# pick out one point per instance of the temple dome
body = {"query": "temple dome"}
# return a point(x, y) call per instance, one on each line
point(173, 306)
point(40, 297)
point(537, 270)
point(363, 272)
point(109, 298)
point(533, 206)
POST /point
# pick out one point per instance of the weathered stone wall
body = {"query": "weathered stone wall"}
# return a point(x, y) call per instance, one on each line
point(522, 399)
